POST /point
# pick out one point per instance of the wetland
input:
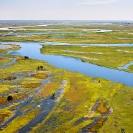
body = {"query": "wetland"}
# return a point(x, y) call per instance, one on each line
point(52, 80)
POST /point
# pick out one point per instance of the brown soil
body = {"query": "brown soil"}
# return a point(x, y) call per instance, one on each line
point(47, 90)
point(3, 116)
point(101, 108)
point(31, 85)
point(10, 78)
point(98, 125)
point(40, 75)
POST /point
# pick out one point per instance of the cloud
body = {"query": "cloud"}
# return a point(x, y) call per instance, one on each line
point(97, 2)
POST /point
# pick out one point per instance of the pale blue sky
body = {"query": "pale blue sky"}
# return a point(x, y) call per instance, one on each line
point(66, 9)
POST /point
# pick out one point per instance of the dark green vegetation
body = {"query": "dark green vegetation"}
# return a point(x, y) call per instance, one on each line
point(69, 33)
point(112, 57)
point(83, 100)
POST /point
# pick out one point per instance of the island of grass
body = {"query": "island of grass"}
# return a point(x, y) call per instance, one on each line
point(79, 103)
point(111, 57)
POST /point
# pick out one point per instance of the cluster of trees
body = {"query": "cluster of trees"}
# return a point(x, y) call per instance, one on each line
point(26, 57)
point(40, 68)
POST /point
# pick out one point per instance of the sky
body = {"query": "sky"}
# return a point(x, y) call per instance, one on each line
point(66, 9)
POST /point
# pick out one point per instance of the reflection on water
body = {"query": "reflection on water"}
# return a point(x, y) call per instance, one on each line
point(5, 29)
point(47, 32)
point(58, 37)
point(33, 51)
point(85, 45)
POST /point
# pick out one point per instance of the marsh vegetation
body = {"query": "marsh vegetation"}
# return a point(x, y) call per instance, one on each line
point(38, 97)
point(111, 57)
point(74, 33)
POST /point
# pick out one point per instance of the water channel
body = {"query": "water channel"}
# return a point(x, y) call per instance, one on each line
point(32, 49)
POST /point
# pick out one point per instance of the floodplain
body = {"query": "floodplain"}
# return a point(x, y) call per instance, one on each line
point(36, 96)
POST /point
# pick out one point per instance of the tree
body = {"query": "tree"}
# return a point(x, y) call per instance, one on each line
point(26, 57)
point(9, 98)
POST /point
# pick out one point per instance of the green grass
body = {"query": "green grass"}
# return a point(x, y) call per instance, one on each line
point(130, 68)
point(20, 121)
point(122, 115)
point(111, 57)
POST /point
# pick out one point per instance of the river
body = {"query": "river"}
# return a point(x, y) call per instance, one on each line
point(32, 49)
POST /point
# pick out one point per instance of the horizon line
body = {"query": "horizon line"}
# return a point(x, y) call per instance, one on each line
point(62, 20)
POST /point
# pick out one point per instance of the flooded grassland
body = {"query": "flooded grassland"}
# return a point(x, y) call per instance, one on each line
point(56, 100)
point(38, 97)
point(68, 33)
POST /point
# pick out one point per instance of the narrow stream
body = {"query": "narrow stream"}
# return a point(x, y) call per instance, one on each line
point(47, 106)
point(24, 103)
point(8, 64)
point(32, 49)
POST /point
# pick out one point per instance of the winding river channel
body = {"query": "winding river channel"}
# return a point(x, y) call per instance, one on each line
point(32, 49)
